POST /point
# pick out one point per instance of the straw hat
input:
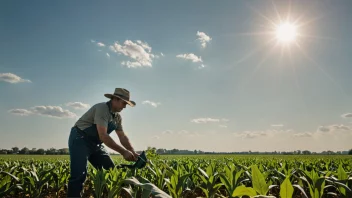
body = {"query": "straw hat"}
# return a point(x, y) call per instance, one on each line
point(123, 94)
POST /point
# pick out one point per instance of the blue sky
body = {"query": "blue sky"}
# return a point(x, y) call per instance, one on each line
point(205, 75)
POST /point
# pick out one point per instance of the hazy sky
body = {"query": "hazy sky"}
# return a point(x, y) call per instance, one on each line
point(209, 75)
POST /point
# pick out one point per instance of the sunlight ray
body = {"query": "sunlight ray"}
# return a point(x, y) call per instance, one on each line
point(276, 11)
point(320, 68)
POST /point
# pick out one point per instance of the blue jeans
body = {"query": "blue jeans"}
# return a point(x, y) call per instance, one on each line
point(81, 151)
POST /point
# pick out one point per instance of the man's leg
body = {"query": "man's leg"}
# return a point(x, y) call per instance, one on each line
point(78, 166)
point(101, 159)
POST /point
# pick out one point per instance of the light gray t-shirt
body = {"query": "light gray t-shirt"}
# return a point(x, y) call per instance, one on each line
point(100, 114)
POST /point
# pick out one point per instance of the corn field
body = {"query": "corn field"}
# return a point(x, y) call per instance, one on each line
point(185, 176)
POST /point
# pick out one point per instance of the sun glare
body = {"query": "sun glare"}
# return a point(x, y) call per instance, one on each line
point(286, 32)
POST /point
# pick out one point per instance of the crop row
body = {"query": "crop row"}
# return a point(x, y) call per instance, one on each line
point(185, 177)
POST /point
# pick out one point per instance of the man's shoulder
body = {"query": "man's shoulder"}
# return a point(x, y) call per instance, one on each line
point(100, 105)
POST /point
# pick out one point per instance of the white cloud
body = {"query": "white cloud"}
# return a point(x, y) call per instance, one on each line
point(201, 67)
point(139, 52)
point(223, 126)
point(12, 78)
point(130, 64)
point(341, 127)
point(48, 111)
point(277, 125)
point(204, 120)
point(100, 44)
point(93, 41)
point(108, 55)
point(20, 112)
point(162, 54)
point(333, 128)
point(53, 111)
point(251, 134)
point(78, 105)
point(151, 103)
point(304, 134)
point(167, 132)
point(191, 57)
point(203, 38)
point(323, 129)
point(347, 115)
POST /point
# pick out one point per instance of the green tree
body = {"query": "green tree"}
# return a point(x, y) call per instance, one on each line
point(25, 150)
point(350, 152)
point(15, 149)
point(40, 151)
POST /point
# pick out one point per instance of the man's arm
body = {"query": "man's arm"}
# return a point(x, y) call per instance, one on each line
point(125, 141)
point(108, 141)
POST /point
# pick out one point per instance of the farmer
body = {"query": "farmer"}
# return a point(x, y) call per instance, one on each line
point(90, 132)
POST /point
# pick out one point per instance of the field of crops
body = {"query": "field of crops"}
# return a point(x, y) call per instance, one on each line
point(185, 176)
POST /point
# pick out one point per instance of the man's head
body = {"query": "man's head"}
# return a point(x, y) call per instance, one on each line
point(117, 104)
point(119, 99)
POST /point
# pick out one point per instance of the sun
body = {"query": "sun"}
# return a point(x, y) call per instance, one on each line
point(286, 32)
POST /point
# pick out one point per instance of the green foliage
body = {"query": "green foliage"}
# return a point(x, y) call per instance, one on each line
point(184, 176)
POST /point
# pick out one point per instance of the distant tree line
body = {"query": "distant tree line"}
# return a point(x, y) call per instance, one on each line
point(35, 151)
point(162, 151)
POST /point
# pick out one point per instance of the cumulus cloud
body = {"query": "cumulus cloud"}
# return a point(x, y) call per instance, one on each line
point(191, 57)
point(207, 120)
point(108, 55)
point(277, 125)
point(167, 132)
point(347, 115)
point(323, 129)
point(78, 105)
point(251, 134)
point(162, 54)
point(20, 112)
point(12, 78)
point(151, 103)
point(47, 111)
point(203, 38)
point(334, 127)
point(139, 52)
point(204, 120)
point(202, 66)
point(100, 44)
point(341, 127)
point(304, 134)
point(53, 111)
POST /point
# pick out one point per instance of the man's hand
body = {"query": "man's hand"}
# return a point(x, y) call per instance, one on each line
point(136, 155)
point(129, 156)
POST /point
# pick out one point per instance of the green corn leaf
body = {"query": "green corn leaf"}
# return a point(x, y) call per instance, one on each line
point(226, 182)
point(341, 174)
point(345, 190)
point(286, 188)
point(242, 191)
point(258, 181)
point(155, 191)
point(203, 173)
point(301, 189)
point(11, 175)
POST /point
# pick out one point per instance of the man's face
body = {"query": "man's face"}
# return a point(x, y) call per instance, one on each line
point(118, 104)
